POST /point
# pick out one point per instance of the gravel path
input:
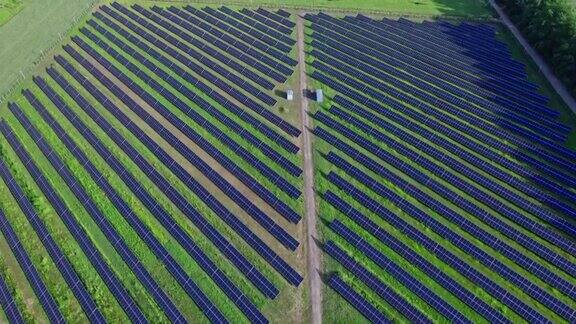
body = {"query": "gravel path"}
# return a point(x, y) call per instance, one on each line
point(314, 255)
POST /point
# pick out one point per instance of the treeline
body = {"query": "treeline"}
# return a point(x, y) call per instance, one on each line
point(550, 26)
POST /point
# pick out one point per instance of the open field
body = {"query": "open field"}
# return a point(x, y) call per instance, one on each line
point(152, 169)
point(8, 9)
point(33, 31)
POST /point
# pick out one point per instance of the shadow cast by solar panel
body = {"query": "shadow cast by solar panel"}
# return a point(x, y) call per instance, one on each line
point(481, 75)
point(522, 110)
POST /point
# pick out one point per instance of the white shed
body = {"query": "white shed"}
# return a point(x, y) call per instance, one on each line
point(289, 95)
point(319, 95)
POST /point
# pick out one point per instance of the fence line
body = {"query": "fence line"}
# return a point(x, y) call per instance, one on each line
point(24, 73)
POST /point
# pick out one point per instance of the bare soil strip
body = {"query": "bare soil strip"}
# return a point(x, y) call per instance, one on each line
point(314, 256)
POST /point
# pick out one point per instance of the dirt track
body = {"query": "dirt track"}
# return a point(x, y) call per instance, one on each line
point(314, 256)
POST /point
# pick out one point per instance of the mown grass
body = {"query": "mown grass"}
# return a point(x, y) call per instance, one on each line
point(8, 9)
point(33, 31)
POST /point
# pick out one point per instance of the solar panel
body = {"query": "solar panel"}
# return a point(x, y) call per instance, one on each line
point(277, 17)
point(237, 48)
point(279, 264)
point(202, 103)
point(449, 258)
point(414, 258)
point(545, 215)
point(41, 292)
point(57, 256)
point(209, 148)
point(8, 303)
point(462, 79)
point(384, 291)
point(82, 238)
point(259, 109)
point(523, 221)
point(141, 229)
point(543, 296)
point(509, 119)
point(463, 222)
point(103, 223)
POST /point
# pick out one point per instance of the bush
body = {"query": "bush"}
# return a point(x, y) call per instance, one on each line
point(550, 26)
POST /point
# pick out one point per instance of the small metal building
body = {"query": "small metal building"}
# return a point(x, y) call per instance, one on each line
point(289, 95)
point(319, 95)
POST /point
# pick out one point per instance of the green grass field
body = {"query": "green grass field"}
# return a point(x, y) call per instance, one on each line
point(35, 29)
point(8, 9)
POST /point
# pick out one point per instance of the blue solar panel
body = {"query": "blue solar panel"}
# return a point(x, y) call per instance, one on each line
point(270, 20)
point(141, 229)
point(540, 271)
point(239, 68)
point(41, 292)
point(279, 264)
point(544, 214)
point(385, 292)
point(554, 147)
point(467, 246)
point(99, 218)
point(443, 254)
point(283, 13)
point(507, 118)
point(275, 156)
point(181, 203)
point(8, 303)
point(209, 148)
point(356, 300)
point(82, 238)
point(247, 34)
point(246, 53)
point(248, 102)
point(58, 257)
point(415, 259)
point(382, 44)
point(519, 219)
point(401, 275)
point(281, 19)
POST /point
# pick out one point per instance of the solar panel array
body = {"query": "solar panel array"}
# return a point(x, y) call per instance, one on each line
point(125, 85)
point(441, 124)
point(359, 302)
point(103, 223)
point(9, 304)
point(96, 259)
point(44, 297)
point(54, 251)
point(391, 297)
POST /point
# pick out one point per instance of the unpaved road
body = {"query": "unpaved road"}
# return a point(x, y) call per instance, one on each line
point(314, 255)
point(542, 65)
